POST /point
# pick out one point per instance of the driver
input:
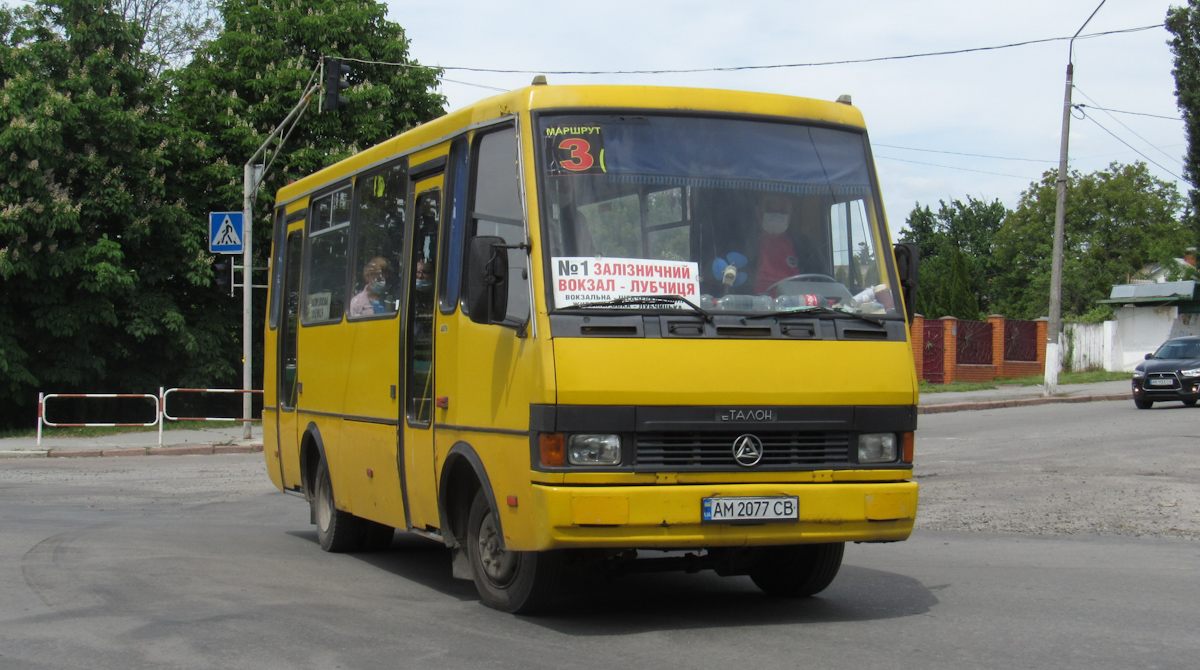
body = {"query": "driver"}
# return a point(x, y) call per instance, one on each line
point(777, 258)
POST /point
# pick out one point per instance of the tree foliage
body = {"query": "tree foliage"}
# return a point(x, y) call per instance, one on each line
point(1117, 221)
point(103, 266)
point(1184, 24)
point(173, 28)
point(957, 265)
point(110, 164)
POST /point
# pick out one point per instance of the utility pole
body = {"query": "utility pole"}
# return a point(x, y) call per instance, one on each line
point(1054, 330)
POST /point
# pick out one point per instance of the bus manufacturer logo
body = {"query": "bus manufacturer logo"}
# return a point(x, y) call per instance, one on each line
point(747, 450)
point(763, 415)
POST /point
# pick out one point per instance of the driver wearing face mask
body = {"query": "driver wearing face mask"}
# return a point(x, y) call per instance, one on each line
point(777, 258)
point(373, 299)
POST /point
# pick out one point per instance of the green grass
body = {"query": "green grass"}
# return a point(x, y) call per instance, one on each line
point(98, 431)
point(1063, 378)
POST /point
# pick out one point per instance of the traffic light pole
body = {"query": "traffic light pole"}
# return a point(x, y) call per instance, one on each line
point(252, 176)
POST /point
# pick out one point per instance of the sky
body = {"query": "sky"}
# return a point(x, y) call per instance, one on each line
point(1004, 105)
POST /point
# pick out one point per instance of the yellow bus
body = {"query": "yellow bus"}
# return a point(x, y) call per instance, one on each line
point(578, 329)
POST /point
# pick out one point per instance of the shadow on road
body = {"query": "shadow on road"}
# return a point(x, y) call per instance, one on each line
point(642, 603)
point(675, 601)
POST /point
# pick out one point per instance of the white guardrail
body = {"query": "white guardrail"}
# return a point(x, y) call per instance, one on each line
point(160, 409)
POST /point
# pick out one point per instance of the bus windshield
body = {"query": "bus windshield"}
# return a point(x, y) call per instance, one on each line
point(738, 215)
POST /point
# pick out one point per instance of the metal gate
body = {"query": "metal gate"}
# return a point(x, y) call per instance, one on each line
point(934, 369)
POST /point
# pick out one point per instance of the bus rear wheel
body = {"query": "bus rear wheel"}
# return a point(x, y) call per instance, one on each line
point(519, 582)
point(798, 571)
point(337, 531)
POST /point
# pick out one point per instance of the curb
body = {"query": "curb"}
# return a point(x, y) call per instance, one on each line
point(185, 450)
point(1018, 402)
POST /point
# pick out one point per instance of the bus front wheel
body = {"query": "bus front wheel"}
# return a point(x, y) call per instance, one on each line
point(798, 571)
point(337, 531)
point(519, 582)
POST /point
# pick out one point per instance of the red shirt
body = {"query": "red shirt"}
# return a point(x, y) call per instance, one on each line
point(776, 261)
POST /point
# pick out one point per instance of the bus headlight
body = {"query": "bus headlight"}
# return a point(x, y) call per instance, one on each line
point(877, 448)
point(589, 449)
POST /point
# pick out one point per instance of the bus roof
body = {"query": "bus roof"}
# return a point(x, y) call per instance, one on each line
point(539, 97)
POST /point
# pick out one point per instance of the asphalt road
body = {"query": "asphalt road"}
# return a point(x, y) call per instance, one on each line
point(198, 562)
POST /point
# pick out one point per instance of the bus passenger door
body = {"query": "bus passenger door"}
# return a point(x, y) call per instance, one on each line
point(421, 487)
point(288, 365)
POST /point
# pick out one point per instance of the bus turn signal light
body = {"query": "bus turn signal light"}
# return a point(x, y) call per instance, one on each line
point(550, 446)
point(906, 439)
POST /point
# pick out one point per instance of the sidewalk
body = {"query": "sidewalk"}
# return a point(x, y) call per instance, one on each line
point(1018, 396)
point(229, 440)
point(174, 443)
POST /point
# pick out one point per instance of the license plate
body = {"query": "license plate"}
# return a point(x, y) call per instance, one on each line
point(1162, 382)
point(744, 509)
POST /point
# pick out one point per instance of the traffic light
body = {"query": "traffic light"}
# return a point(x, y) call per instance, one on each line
point(223, 274)
point(335, 82)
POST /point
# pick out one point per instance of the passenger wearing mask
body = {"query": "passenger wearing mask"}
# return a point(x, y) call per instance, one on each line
point(373, 299)
point(777, 259)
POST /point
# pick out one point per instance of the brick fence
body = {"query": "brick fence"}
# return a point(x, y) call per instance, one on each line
point(997, 368)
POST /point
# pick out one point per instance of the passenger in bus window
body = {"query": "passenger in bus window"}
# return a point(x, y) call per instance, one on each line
point(424, 276)
point(783, 249)
point(777, 259)
point(378, 276)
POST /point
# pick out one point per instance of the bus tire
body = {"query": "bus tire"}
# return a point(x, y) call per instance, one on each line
point(519, 582)
point(337, 531)
point(798, 571)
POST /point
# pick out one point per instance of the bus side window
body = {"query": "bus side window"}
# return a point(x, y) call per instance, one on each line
point(497, 211)
point(325, 280)
point(449, 279)
point(379, 244)
point(277, 234)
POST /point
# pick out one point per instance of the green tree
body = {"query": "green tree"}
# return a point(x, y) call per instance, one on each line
point(1117, 221)
point(957, 267)
point(1184, 24)
point(103, 272)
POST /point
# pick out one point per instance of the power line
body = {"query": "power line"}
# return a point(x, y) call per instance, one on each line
point(737, 68)
point(1117, 111)
point(1086, 116)
point(1148, 142)
point(467, 83)
point(951, 167)
point(959, 153)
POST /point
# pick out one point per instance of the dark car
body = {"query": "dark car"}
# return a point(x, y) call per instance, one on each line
point(1171, 373)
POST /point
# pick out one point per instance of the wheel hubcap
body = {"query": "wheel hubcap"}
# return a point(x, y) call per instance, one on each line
point(498, 564)
point(324, 509)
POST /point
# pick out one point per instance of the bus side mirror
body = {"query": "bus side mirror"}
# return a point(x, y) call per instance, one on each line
point(487, 279)
point(908, 258)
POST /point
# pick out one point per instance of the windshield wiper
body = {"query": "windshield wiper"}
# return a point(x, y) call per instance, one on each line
point(646, 300)
point(819, 309)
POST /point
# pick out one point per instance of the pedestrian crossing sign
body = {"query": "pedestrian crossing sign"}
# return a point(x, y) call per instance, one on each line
point(225, 232)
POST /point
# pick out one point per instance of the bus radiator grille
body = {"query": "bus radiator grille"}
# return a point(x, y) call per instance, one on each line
point(715, 450)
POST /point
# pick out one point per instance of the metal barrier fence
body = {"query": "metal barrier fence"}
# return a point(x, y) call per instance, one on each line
point(160, 409)
point(43, 397)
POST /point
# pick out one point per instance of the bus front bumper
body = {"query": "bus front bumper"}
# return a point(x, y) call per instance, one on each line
point(669, 517)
